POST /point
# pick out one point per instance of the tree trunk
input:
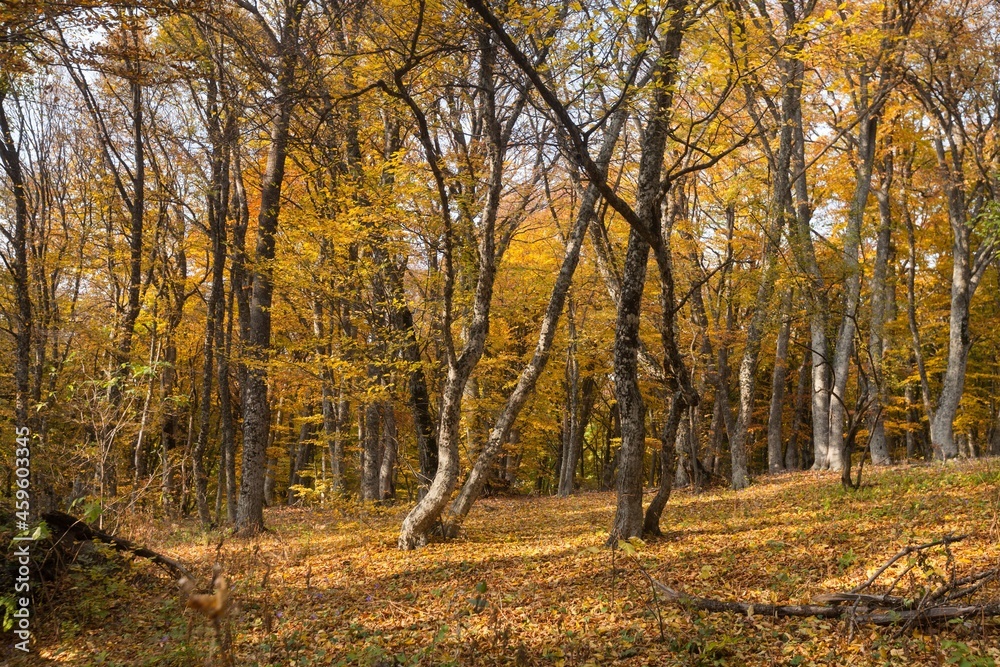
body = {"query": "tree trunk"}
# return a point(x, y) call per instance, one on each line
point(529, 374)
point(668, 464)
point(683, 468)
point(878, 387)
point(390, 448)
point(628, 519)
point(418, 522)
point(747, 379)
point(775, 462)
point(571, 409)
point(795, 458)
point(994, 440)
point(303, 455)
point(584, 407)
point(780, 198)
point(371, 454)
point(959, 338)
point(852, 282)
point(805, 254)
point(227, 427)
point(18, 268)
point(256, 411)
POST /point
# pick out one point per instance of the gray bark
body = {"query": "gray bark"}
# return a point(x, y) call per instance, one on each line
point(865, 142)
point(805, 254)
point(966, 166)
point(646, 222)
point(964, 280)
point(11, 160)
point(794, 456)
point(256, 410)
point(880, 302)
point(668, 464)
point(371, 454)
point(995, 439)
point(302, 456)
point(775, 461)
point(628, 514)
point(218, 201)
point(584, 408)
point(529, 374)
point(683, 468)
point(780, 195)
point(390, 449)
point(427, 511)
point(571, 410)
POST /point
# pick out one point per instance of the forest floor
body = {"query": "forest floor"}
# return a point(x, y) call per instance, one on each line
point(531, 583)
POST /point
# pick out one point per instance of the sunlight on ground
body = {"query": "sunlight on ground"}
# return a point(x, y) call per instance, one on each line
point(530, 583)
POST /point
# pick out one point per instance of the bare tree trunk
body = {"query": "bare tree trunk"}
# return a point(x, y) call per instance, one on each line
point(805, 254)
point(647, 233)
point(227, 428)
point(256, 411)
point(994, 440)
point(420, 404)
point(747, 379)
point(682, 463)
point(529, 375)
point(204, 413)
point(303, 455)
point(571, 409)
point(668, 464)
point(880, 298)
point(963, 285)
point(794, 455)
point(427, 511)
point(371, 453)
point(628, 519)
point(852, 281)
point(11, 159)
point(775, 462)
point(780, 161)
point(574, 453)
point(390, 448)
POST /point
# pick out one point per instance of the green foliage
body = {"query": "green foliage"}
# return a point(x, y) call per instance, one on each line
point(8, 606)
point(846, 559)
point(959, 654)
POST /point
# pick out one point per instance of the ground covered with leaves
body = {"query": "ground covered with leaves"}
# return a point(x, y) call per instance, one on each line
point(531, 583)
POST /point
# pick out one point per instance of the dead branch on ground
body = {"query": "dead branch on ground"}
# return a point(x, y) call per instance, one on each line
point(949, 600)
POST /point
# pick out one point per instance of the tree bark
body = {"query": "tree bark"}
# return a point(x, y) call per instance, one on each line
point(668, 466)
point(371, 454)
point(795, 458)
point(879, 299)
point(867, 131)
point(775, 460)
point(418, 522)
point(574, 453)
point(256, 411)
point(221, 133)
point(628, 513)
point(390, 448)
point(11, 159)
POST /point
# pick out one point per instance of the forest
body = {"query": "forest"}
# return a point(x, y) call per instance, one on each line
point(557, 332)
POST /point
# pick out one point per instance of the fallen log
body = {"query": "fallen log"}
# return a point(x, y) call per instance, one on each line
point(66, 525)
point(892, 601)
point(860, 614)
point(873, 608)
